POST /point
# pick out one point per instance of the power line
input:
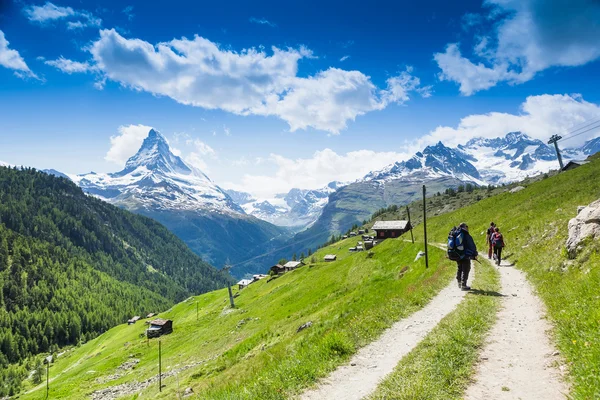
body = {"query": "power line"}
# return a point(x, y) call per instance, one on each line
point(581, 133)
point(582, 125)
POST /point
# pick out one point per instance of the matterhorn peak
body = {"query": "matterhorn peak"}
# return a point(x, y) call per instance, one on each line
point(155, 154)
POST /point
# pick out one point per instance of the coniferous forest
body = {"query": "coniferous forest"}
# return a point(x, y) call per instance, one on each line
point(73, 266)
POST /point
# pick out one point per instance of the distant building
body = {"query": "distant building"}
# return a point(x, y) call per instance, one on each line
point(291, 265)
point(330, 257)
point(258, 277)
point(390, 229)
point(150, 315)
point(345, 237)
point(133, 320)
point(574, 164)
point(244, 283)
point(159, 327)
point(361, 231)
point(352, 233)
point(277, 269)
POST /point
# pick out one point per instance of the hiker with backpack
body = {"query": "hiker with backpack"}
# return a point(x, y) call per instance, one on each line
point(498, 244)
point(462, 249)
point(488, 239)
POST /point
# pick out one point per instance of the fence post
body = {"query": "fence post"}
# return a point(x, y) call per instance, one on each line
point(159, 367)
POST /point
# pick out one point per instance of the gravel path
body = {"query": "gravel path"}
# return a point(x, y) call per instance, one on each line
point(373, 362)
point(518, 361)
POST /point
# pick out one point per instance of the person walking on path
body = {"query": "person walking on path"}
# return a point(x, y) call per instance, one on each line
point(464, 263)
point(488, 239)
point(498, 243)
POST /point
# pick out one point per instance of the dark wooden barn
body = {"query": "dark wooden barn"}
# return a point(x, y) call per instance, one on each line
point(159, 327)
point(390, 229)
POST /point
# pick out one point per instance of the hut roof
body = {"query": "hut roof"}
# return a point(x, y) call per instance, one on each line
point(160, 322)
point(330, 257)
point(293, 264)
point(245, 282)
point(383, 225)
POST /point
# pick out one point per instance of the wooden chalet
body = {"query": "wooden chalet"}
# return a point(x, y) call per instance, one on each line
point(150, 315)
point(133, 320)
point(159, 327)
point(244, 283)
point(390, 229)
point(277, 269)
point(292, 265)
point(330, 257)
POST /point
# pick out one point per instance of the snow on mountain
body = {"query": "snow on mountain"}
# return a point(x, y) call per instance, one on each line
point(156, 179)
point(433, 162)
point(298, 208)
point(482, 161)
point(56, 173)
point(4, 164)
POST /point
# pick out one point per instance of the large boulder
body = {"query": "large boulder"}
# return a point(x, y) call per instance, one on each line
point(585, 224)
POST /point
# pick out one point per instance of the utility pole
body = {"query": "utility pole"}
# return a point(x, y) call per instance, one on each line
point(410, 223)
point(425, 226)
point(227, 267)
point(47, 379)
point(159, 368)
point(196, 311)
point(553, 140)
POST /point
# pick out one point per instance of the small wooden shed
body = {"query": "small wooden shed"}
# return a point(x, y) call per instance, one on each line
point(330, 257)
point(244, 283)
point(277, 269)
point(291, 265)
point(133, 320)
point(159, 327)
point(574, 164)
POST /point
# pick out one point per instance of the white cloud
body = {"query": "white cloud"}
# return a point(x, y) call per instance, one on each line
point(262, 21)
point(527, 37)
point(69, 66)
point(51, 12)
point(540, 117)
point(199, 73)
point(11, 59)
point(126, 143)
point(199, 154)
point(128, 11)
point(344, 58)
point(309, 173)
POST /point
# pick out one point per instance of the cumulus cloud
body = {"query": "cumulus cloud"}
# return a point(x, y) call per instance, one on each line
point(528, 36)
point(11, 59)
point(69, 66)
point(50, 12)
point(199, 154)
point(251, 82)
point(126, 143)
point(317, 171)
point(540, 117)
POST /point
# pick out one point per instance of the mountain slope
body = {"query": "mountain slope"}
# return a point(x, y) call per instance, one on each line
point(72, 266)
point(158, 184)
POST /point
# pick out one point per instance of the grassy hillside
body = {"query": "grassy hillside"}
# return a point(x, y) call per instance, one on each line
point(72, 266)
point(255, 351)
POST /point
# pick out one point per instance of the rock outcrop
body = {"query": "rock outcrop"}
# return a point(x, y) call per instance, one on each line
point(585, 224)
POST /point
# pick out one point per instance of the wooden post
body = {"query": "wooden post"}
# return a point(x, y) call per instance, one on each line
point(425, 225)
point(196, 311)
point(48, 379)
point(231, 296)
point(159, 367)
point(409, 221)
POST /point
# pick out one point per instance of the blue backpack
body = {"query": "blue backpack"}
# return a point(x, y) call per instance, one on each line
point(456, 249)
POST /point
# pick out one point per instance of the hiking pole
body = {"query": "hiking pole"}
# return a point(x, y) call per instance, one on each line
point(476, 259)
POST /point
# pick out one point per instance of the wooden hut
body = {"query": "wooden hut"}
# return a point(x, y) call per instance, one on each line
point(330, 257)
point(133, 320)
point(390, 229)
point(244, 283)
point(159, 327)
point(291, 265)
point(277, 269)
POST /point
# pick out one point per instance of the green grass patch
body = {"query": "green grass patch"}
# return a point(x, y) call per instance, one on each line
point(441, 365)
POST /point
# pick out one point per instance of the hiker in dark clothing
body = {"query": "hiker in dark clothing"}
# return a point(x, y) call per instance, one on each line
point(464, 264)
point(498, 243)
point(488, 239)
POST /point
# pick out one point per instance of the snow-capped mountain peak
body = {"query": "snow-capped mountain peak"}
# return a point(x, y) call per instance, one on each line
point(156, 179)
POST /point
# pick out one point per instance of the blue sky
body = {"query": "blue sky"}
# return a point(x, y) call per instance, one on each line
point(264, 96)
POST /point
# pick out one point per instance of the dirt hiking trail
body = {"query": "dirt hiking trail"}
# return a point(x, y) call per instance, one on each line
point(373, 362)
point(518, 360)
